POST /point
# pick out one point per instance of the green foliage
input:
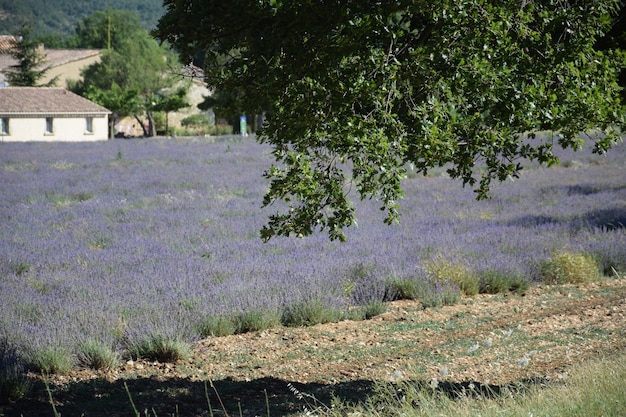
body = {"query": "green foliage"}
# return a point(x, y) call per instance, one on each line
point(196, 120)
point(107, 29)
point(431, 293)
point(439, 294)
point(134, 76)
point(373, 309)
point(569, 268)
point(20, 268)
point(251, 321)
point(216, 326)
point(30, 61)
point(97, 355)
point(161, 348)
point(121, 101)
point(310, 313)
point(442, 270)
point(200, 125)
point(356, 92)
point(496, 282)
point(402, 289)
point(167, 101)
point(51, 360)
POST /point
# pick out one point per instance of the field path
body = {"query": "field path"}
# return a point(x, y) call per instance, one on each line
point(492, 339)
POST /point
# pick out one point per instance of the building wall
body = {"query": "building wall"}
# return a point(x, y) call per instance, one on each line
point(65, 129)
point(68, 71)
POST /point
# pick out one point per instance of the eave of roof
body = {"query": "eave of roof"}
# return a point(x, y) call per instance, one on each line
point(45, 100)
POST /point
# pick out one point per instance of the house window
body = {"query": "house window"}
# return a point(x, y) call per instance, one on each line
point(49, 126)
point(4, 125)
point(89, 125)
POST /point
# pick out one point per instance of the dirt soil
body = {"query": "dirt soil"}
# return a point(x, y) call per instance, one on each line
point(494, 340)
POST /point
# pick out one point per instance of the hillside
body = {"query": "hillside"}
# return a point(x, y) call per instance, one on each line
point(59, 17)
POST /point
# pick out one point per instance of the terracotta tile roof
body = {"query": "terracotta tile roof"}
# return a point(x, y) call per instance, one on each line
point(15, 101)
point(7, 42)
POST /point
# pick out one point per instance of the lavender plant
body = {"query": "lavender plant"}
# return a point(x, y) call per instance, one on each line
point(13, 381)
point(164, 240)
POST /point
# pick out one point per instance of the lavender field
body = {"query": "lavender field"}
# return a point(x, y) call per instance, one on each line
point(127, 239)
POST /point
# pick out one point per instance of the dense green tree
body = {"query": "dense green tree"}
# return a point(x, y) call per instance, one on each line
point(107, 29)
point(122, 103)
point(30, 67)
point(169, 101)
point(358, 92)
point(615, 38)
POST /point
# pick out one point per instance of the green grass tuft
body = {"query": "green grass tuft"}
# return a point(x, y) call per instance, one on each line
point(251, 321)
point(51, 360)
point(97, 355)
point(569, 268)
point(373, 309)
point(161, 348)
point(442, 270)
point(217, 327)
point(309, 313)
point(496, 282)
point(402, 289)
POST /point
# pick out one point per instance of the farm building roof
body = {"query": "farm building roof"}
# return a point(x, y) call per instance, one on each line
point(26, 101)
point(7, 43)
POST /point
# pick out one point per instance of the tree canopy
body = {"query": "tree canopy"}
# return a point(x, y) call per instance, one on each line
point(30, 66)
point(56, 19)
point(358, 92)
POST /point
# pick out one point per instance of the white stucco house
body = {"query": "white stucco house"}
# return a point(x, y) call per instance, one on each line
point(50, 114)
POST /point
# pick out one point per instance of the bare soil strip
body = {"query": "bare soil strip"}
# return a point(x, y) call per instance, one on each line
point(487, 339)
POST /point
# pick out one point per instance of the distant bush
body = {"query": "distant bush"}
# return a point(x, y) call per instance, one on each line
point(217, 130)
point(569, 268)
point(196, 120)
point(97, 355)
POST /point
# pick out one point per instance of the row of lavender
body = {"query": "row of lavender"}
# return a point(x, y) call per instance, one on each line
point(127, 239)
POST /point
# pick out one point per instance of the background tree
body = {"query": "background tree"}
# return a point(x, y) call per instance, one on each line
point(106, 29)
point(30, 67)
point(169, 101)
point(122, 103)
point(357, 91)
point(59, 17)
point(136, 66)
